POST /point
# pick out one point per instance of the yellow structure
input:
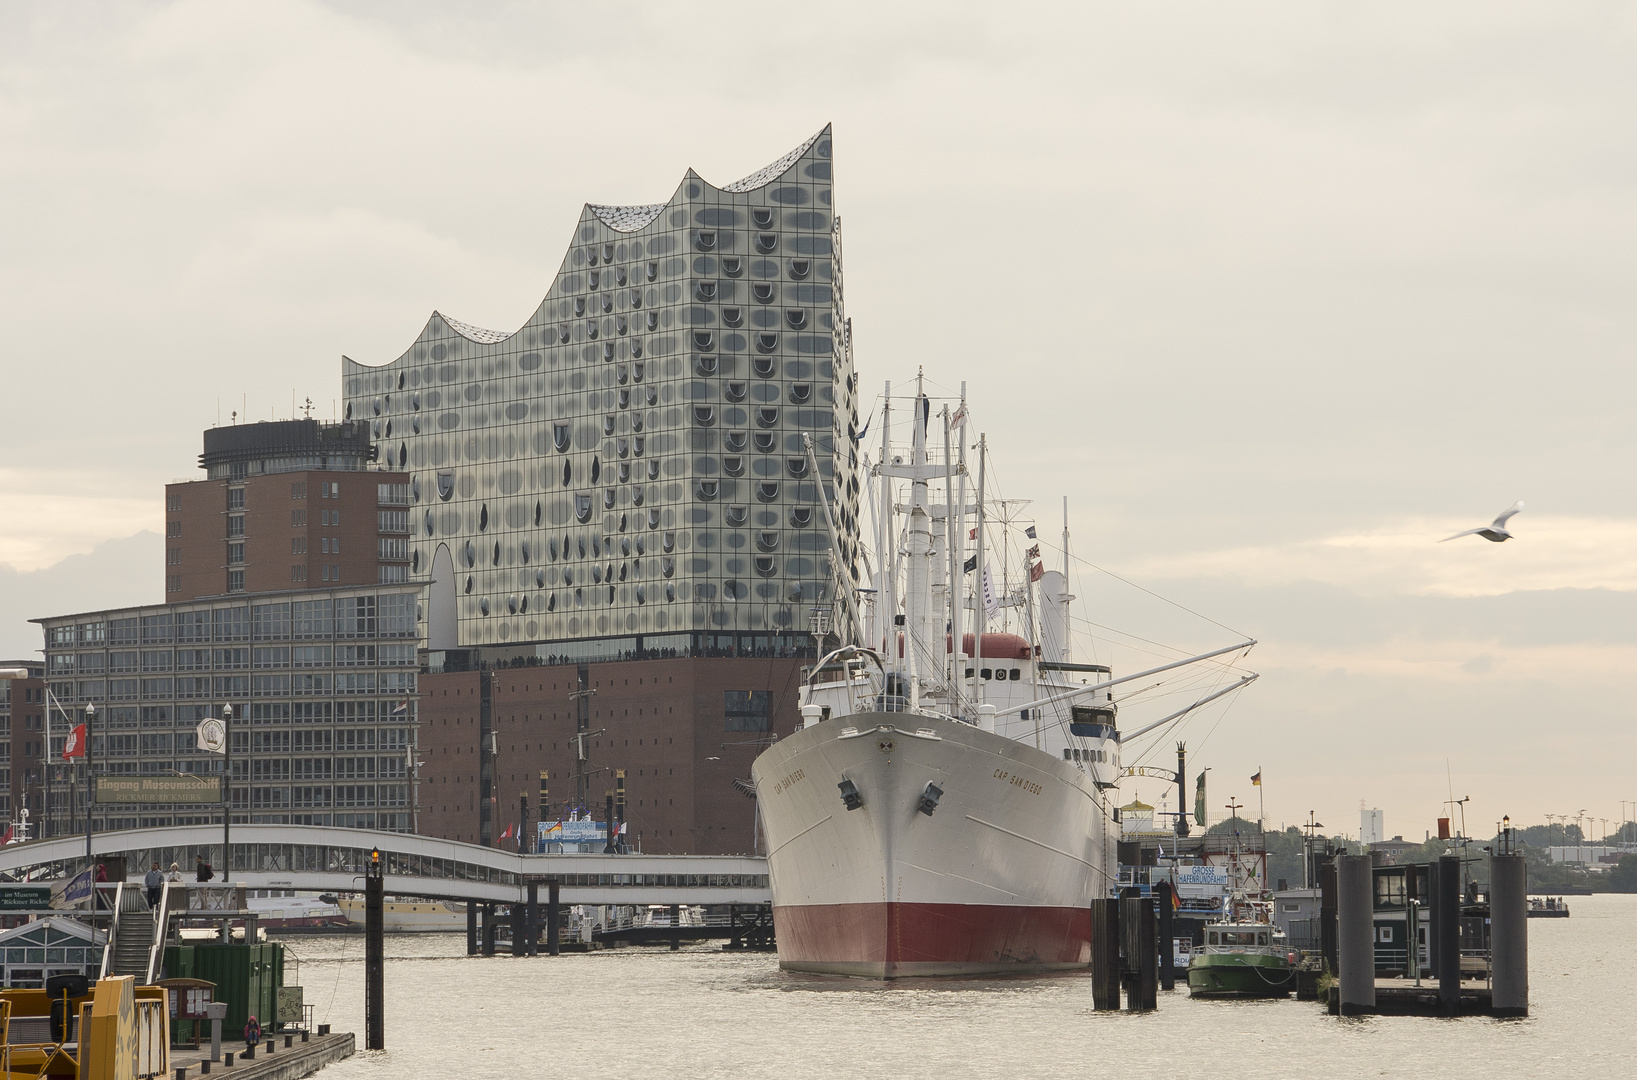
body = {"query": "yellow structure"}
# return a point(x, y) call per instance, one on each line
point(123, 1033)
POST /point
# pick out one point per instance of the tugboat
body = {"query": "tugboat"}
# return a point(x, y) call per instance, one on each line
point(1244, 955)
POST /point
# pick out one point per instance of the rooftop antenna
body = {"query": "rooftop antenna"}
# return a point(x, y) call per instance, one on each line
point(307, 409)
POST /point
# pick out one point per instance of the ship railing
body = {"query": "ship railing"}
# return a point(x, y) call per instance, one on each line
point(1247, 950)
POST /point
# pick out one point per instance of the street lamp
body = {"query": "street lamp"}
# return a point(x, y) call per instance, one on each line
point(90, 779)
point(227, 791)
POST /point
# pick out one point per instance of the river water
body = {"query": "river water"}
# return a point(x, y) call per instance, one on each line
point(642, 1013)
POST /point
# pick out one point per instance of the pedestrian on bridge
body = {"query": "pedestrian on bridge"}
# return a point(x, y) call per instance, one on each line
point(205, 871)
point(155, 881)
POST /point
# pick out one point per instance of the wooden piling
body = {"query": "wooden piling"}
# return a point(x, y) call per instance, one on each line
point(553, 919)
point(374, 956)
point(1105, 954)
point(1167, 951)
point(1355, 934)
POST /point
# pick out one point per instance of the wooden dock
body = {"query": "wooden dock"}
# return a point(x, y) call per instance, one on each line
point(1401, 997)
point(297, 1060)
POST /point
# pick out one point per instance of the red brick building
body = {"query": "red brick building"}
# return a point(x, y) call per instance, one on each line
point(23, 752)
point(682, 731)
point(287, 504)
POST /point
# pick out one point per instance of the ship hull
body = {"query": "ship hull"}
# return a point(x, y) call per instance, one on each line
point(1236, 975)
point(995, 880)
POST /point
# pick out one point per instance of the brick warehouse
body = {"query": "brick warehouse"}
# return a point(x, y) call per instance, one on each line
point(682, 730)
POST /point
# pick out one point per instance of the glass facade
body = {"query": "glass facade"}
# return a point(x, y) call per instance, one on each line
point(322, 687)
point(632, 460)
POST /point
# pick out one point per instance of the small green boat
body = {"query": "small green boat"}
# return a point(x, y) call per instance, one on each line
point(1241, 959)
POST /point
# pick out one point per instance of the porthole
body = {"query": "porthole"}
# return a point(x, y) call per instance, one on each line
point(668, 541)
point(734, 391)
point(653, 518)
point(579, 308)
point(582, 508)
point(705, 490)
point(591, 328)
point(653, 470)
point(703, 339)
point(801, 516)
point(667, 567)
point(767, 541)
point(767, 342)
point(704, 415)
point(767, 416)
point(763, 291)
point(564, 333)
point(737, 516)
point(767, 491)
point(766, 565)
point(766, 442)
point(801, 393)
point(595, 277)
point(732, 316)
point(608, 499)
point(732, 265)
point(704, 240)
point(762, 216)
point(705, 365)
point(797, 467)
point(800, 268)
point(733, 465)
point(652, 271)
point(734, 441)
point(766, 242)
point(764, 366)
point(704, 291)
point(653, 320)
point(795, 318)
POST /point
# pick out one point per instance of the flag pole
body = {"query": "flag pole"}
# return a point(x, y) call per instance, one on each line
point(1261, 802)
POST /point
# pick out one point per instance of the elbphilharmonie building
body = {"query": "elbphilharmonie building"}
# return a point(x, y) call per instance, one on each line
point(629, 467)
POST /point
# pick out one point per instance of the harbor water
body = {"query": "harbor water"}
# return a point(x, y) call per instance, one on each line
point(637, 1013)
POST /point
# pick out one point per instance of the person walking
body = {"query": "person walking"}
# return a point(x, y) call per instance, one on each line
point(202, 870)
point(155, 882)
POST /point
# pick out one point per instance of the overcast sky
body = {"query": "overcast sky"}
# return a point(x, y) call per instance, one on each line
point(1277, 294)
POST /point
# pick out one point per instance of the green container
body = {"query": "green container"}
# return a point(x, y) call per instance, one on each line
point(247, 977)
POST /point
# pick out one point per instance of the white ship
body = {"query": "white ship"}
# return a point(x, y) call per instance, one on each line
point(942, 812)
point(408, 916)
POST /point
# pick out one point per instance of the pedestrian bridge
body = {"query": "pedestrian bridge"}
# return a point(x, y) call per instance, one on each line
point(316, 858)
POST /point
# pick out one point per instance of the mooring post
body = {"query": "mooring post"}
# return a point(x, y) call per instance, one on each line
point(489, 928)
point(1446, 932)
point(553, 946)
point(676, 927)
point(1168, 949)
point(519, 933)
point(1136, 940)
point(1355, 934)
point(1509, 935)
point(1105, 954)
point(1327, 914)
point(471, 928)
point(1147, 958)
point(374, 954)
point(532, 920)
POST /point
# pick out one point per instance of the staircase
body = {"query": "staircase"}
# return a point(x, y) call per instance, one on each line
point(130, 939)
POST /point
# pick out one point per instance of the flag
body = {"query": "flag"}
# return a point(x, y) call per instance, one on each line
point(74, 745)
point(1036, 571)
point(401, 709)
point(971, 565)
point(991, 604)
point(960, 416)
point(1029, 532)
point(10, 832)
point(1256, 780)
point(1033, 552)
point(972, 533)
point(1199, 802)
point(511, 831)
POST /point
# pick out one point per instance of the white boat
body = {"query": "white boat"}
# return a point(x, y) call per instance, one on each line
point(408, 916)
point(941, 813)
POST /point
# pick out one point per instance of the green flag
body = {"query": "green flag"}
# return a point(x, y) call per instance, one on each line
point(1199, 802)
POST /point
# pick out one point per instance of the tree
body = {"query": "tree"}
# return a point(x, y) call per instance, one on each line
point(1623, 878)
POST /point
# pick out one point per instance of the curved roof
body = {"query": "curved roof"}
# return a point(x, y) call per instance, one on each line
point(769, 173)
point(626, 218)
point(473, 333)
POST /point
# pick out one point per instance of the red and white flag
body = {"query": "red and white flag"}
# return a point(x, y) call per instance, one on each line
point(972, 533)
point(74, 745)
point(11, 830)
point(510, 831)
point(1033, 552)
point(1036, 570)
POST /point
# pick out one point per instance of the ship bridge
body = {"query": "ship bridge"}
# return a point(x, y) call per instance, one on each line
point(316, 858)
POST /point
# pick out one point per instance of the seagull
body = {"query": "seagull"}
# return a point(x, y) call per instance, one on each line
point(1495, 532)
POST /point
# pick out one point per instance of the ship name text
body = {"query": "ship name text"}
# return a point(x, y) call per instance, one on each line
point(1017, 781)
point(788, 781)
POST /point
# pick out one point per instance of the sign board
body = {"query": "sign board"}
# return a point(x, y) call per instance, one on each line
point(24, 897)
point(289, 1006)
point(1202, 875)
point(165, 790)
point(582, 831)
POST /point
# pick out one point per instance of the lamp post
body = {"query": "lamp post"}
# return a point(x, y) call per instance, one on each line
point(227, 791)
point(90, 779)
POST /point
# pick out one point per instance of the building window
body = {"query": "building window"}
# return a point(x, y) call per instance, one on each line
point(235, 553)
point(298, 545)
point(235, 498)
point(235, 525)
point(298, 573)
point(173, 528)
point(745, 710)
point(298, 519)
point(235, 581)
point(173, 583)
point(173, 502)
point(298, 490)
point(173, 556)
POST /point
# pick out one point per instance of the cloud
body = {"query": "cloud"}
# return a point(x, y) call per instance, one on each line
point(115, 573)
point(53, 514)
point(1405, 558)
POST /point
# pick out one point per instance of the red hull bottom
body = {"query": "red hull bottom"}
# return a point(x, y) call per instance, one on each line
point(893, 940)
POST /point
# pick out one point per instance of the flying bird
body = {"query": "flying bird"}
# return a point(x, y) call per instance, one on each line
point(1495, 532)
